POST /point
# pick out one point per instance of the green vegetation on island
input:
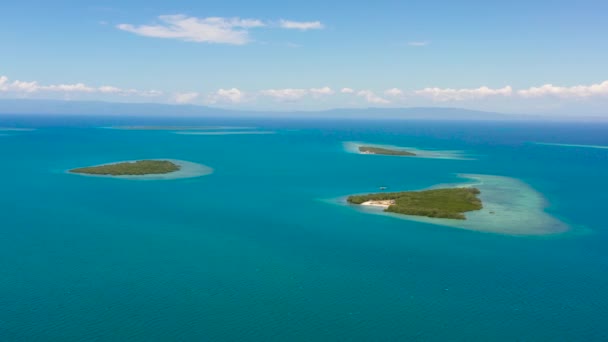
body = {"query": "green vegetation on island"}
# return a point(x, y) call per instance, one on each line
point(136, 168)
point(440, 203)
point(384, 151)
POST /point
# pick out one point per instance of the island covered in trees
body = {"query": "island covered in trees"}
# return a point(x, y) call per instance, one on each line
point(384, 151)
point(449, 203)
point(134, 168)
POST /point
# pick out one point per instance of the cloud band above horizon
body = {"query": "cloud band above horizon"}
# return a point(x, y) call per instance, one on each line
point(235, 96)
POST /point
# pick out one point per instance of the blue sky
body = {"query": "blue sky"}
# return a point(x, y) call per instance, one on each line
point(512, 56)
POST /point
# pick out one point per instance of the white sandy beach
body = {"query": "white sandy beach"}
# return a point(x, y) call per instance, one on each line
point(382, 203)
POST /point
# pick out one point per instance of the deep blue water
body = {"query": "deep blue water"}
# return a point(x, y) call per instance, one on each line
point(252, 252)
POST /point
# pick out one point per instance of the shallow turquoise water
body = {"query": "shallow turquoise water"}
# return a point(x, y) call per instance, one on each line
point(254, 252)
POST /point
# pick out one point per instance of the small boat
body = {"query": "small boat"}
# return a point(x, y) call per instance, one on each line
point(383, 188)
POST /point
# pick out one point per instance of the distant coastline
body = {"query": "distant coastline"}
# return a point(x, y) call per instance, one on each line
point(62, 107)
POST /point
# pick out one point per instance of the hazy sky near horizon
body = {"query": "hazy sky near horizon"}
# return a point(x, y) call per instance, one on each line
point(511, 56)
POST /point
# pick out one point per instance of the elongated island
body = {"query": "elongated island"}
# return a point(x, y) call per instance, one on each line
point(135, 168)
point(384, 151)
point(449, 203)
point(146, 169)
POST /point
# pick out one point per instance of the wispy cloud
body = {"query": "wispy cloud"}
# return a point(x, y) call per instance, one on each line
point(419, 43)
point(29, 87)
point(232, 95)
point(579, 91)
point(301, 25)
point(318, 92)
point(449, 94)
point(219, 30)
point(207, 30)
point(287, 94)
point(70, 88)
point(295, 94)
point(305, 96)
point(371, 97)
point(394, 92)
point(183, 98)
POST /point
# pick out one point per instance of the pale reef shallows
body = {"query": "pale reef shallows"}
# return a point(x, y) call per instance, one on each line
point(185, 169)
point(178, 128)
point(225, 133)
point(11, 129)
point(601, 147)
point(355, 147)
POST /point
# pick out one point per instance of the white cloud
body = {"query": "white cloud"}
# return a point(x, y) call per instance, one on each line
point(288, 94)
point(209, 30)
point(3, 83)
point(232, 95)
point(292, 94)
point(218, 30)
point(301, 25)
point(394, 92)
point(419, 43)
point(147, 93)
point(109, 90)
point(371, 97)
point(185, 97)
point(305, 96)
point(128, 92)
point(34, 87)
point(449, 94)
point(69, 88)
point(580, 91)
point(318, 92)
point(22, 86)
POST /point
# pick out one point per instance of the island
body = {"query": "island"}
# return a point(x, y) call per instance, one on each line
point(450, 203)
point(384, 151)
point(134, 168)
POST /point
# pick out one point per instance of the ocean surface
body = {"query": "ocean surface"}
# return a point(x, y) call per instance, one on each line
point(259, 250)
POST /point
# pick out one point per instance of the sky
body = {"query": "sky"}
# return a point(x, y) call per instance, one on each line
point(547, 57)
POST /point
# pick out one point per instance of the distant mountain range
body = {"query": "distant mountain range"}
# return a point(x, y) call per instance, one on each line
point(55, 107)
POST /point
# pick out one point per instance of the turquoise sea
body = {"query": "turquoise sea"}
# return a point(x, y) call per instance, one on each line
point(260, 250)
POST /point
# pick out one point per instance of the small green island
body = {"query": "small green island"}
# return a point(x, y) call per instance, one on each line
point(384, 151)
point(449, 203)
point(135, 168)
